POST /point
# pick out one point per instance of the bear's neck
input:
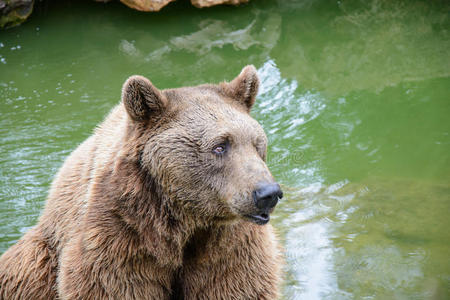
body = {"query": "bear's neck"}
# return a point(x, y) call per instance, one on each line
point(137, 201)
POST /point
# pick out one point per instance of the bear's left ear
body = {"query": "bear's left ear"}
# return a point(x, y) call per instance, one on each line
point(244, 87)
point(142, 99)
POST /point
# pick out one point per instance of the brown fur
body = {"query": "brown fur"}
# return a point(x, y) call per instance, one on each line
point(144, 209)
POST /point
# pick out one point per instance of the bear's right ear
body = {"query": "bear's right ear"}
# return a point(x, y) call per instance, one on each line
point(142, 99)
point(244, 87)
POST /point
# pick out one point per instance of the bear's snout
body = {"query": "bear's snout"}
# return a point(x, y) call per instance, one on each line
point(265, 198)
point(266, 195)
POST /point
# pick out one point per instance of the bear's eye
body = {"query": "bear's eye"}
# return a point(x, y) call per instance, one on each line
point(220, 149)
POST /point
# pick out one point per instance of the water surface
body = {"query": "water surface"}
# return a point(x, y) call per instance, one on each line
point(354, 100)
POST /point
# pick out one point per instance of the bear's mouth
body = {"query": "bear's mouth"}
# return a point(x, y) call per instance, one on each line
point(259, 219)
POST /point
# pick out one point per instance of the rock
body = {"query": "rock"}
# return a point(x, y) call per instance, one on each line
point(208, 3)
point(156, 5)
point(14, 12)
point(146, 5)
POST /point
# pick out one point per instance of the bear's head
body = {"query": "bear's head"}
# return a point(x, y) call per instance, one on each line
point(203, 148)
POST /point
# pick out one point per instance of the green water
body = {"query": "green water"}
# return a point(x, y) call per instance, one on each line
point(355, 100)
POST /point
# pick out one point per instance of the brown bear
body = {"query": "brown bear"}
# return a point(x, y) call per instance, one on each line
point(168, 199)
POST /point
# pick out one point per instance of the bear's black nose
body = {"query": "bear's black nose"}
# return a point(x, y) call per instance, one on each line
point(266, 195)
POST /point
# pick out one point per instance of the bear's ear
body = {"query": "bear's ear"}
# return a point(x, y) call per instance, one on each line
point(245, 87)
point(142, 99)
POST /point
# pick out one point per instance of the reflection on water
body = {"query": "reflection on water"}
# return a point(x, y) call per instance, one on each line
point(367, 45)
point(354, 99)
point(359, 240)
